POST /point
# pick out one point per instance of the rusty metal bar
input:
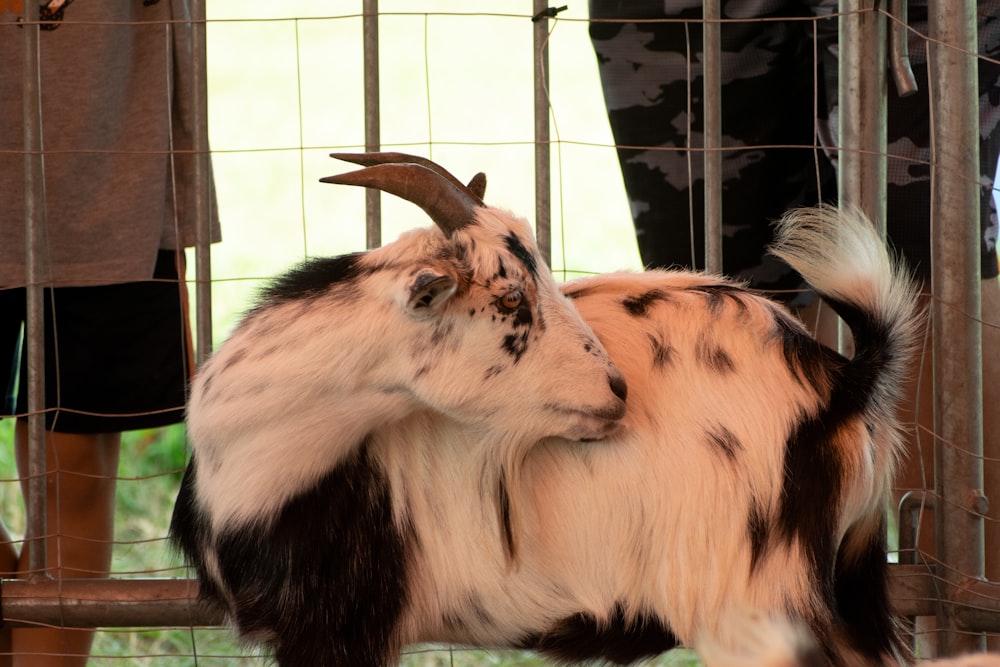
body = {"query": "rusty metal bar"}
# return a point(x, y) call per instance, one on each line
point(861, 175)
point(110, 603)
point(911, 506)
point(916, 590)
point(957, 334)
point(106, 603)
point(543, 174)
point(912, 589)
point(373, 139)
point(712, 110)
point(202, 175)
point(37, 274)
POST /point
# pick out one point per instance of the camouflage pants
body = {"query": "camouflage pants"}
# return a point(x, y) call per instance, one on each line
point(775, 93)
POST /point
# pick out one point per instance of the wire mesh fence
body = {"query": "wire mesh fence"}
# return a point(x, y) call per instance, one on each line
point(471, 89)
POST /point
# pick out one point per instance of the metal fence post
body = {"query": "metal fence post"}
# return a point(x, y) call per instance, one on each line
point(37, 275)
point(373, 198)
point(201, 173)
point(543, 196)
point(861, 179)
point(712, 111)
point(955, 278)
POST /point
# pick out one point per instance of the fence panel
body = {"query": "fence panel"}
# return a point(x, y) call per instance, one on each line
point(511, 90)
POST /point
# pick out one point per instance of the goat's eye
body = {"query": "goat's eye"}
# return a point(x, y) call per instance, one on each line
point(511, 301)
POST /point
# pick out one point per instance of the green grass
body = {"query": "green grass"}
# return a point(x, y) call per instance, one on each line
point(149, 475)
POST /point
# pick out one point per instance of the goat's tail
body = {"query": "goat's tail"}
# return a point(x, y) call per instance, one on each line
point(846, 261)
point(842, 256)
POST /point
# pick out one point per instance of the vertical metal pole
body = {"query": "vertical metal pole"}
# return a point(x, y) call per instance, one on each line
point(712, 105)
point(373, 201)
point(543, 174)
point(37, 273)
point(861, 175)
point(955, 284)
point(201, 174)
point(861, 161)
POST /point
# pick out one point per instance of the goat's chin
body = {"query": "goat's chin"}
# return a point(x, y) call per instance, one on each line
point(589, 422)
point(590, 426)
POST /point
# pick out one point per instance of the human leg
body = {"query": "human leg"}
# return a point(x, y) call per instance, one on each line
point(8, 569)
point(80, 488)
point(121, 363)
point(81, 473)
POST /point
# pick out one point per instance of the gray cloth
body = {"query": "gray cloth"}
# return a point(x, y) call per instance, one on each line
point(115, 93)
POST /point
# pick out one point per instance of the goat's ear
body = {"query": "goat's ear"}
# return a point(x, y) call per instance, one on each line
point(428, 292)
point(477, 185)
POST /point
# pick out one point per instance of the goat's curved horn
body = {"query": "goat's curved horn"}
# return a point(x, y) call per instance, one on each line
point(372, 159)
point(448, 203)
point(476, 186)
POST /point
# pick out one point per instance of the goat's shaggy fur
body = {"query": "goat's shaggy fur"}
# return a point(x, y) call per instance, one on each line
point(375, 467)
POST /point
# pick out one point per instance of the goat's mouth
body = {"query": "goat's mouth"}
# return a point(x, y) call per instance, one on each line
point(592, 423)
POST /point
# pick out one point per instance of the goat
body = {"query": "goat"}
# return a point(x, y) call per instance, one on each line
point(428, 442)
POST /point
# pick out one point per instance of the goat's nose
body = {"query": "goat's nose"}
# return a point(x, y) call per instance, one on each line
point(618, 385)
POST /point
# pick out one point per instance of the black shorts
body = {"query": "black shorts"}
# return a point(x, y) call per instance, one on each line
point(116, 356)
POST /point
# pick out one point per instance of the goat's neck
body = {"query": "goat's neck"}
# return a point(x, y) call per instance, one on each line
point(287, 452)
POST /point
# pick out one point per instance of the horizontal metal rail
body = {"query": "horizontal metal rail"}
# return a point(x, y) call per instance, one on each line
point(89, 603)
point(108, 603)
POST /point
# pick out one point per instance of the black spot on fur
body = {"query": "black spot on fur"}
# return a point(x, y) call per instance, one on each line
point(266, 351)
point(718, 295)
point(515, 344)
point(713, 356)
point(522, 253)
point(456, 620)
point(577, 292)
point(313, 277)
point(441, 333)
point(715, 301)
point(638, 305)
point(807, 359)
point(722, 439)
point(235, 358)
point(623, 641)
point(483, 615)
point(660, 352)
point(327, 577)
point(758, 529)
point(503, 509)
point(207, 379)
point(523, 316)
